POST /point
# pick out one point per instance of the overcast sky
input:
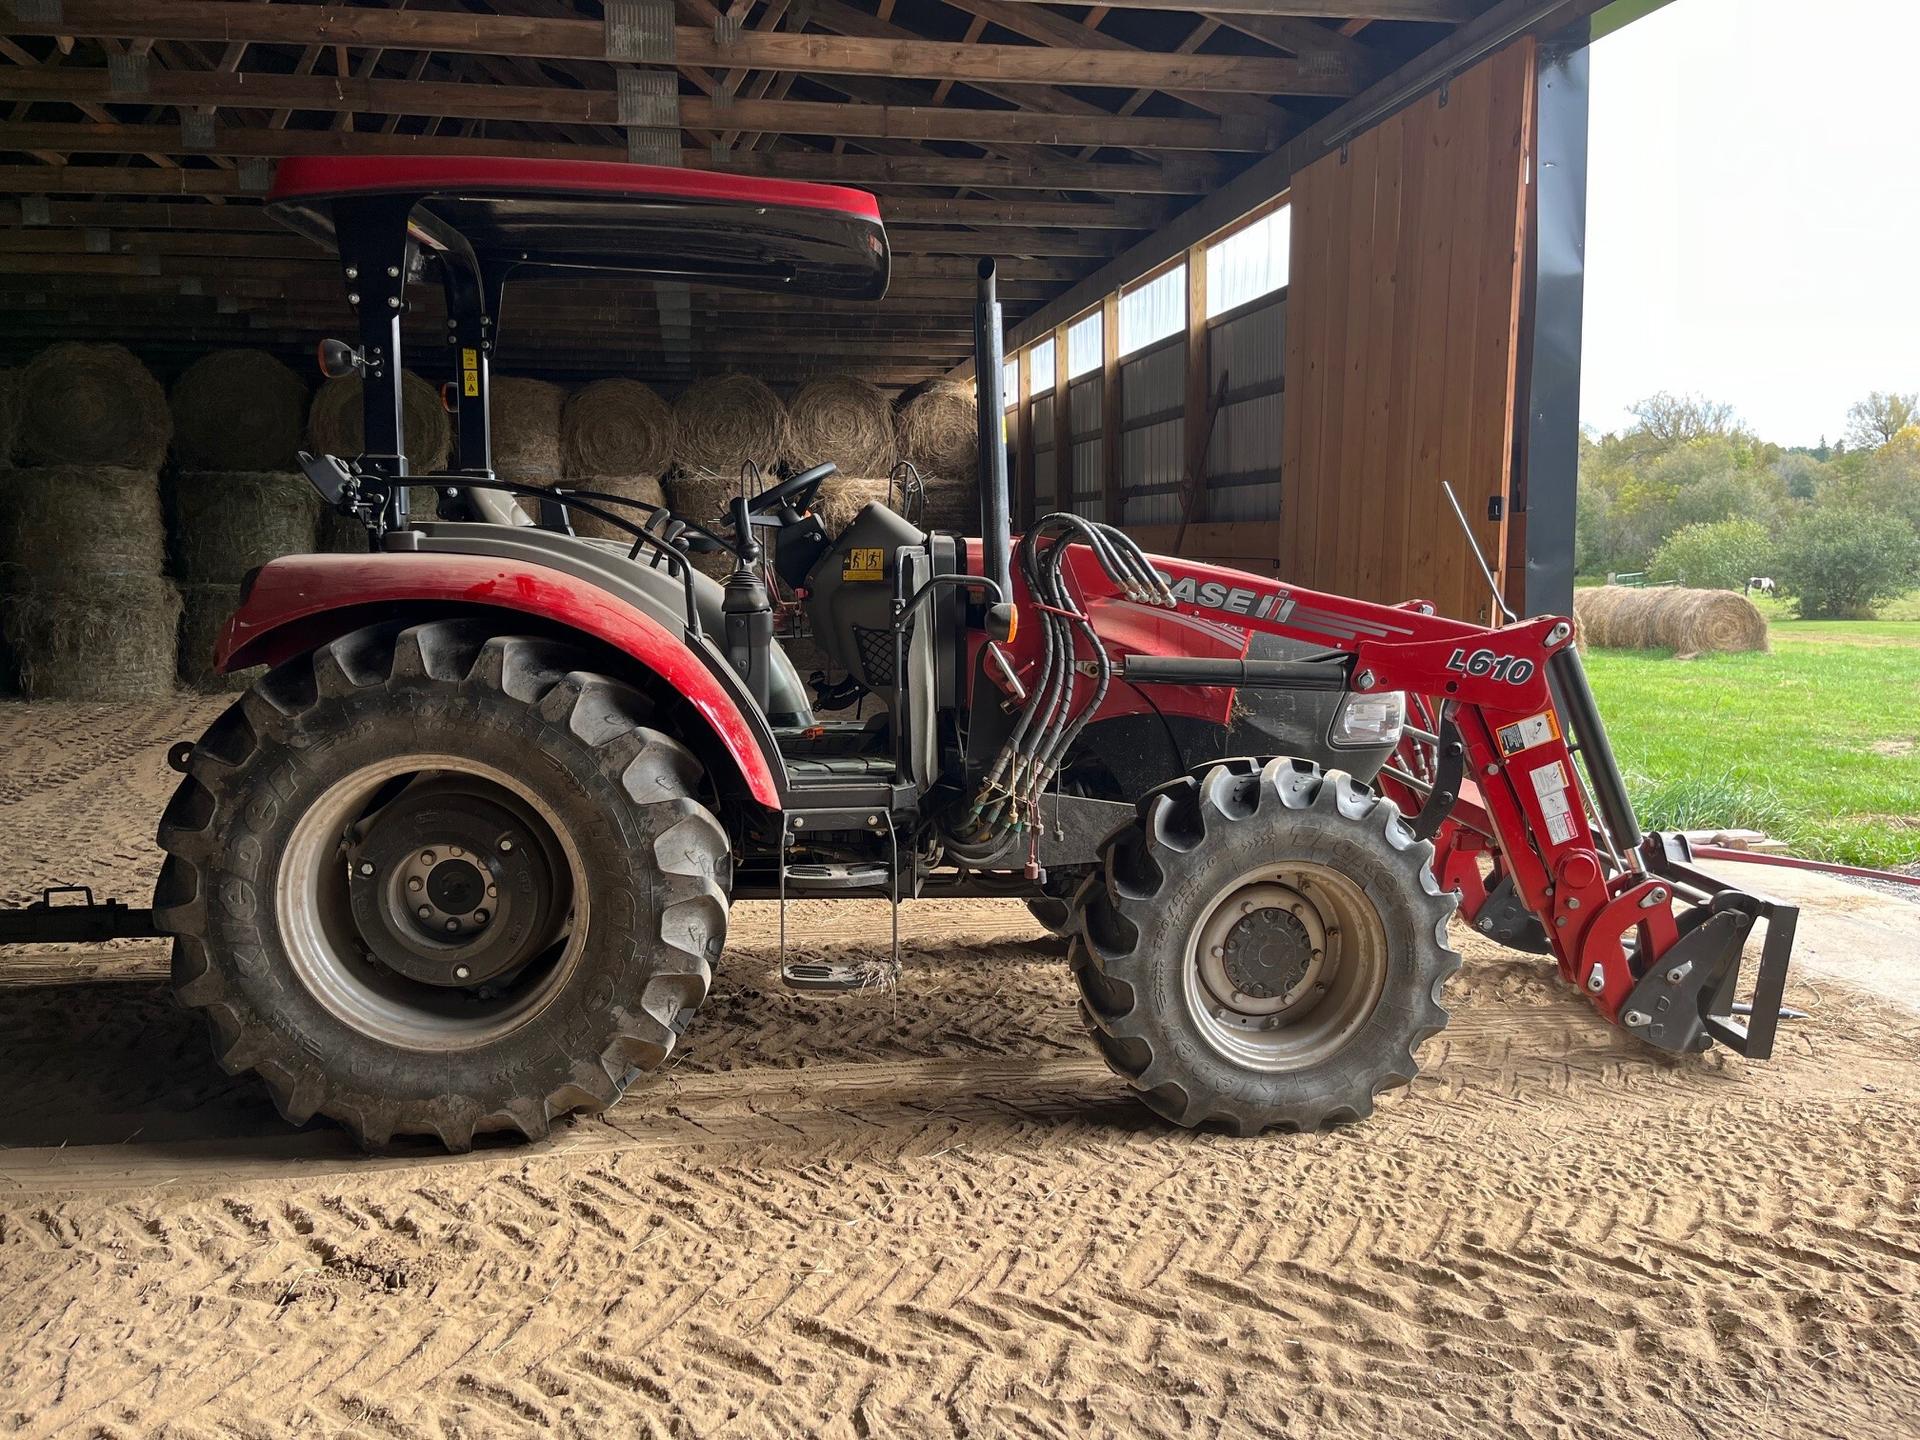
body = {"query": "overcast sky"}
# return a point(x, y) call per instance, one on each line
point(1753, 212)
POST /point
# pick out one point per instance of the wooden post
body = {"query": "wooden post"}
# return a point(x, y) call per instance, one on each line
point(1199, 393)
point(1114, 511)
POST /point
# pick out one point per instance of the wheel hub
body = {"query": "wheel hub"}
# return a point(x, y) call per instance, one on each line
point(1268, 953)
point(447, 888)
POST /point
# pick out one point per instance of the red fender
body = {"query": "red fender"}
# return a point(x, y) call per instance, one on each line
point(276, 615)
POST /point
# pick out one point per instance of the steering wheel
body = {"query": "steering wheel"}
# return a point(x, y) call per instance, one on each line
point(797, 492)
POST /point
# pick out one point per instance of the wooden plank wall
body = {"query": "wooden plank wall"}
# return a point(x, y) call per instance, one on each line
point(1407, 251)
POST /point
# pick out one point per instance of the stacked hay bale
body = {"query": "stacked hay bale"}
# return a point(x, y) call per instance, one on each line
point(226, 523)
point(843, 419)
point(9, 396)
point(526, 429)
point(85, 612)
point(1687, 622)
point(720, 425)
point(617, 437)
point(239, 410)
point(335, 427)
point(939, 433)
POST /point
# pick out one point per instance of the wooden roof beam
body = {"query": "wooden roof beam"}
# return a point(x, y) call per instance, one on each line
point(556, 105)
point(877, 48)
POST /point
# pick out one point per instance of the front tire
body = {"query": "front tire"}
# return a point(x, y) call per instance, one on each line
point(1264, 947)
point(437, 881)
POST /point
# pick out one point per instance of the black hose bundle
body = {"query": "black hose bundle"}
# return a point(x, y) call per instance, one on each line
point(1057, 707)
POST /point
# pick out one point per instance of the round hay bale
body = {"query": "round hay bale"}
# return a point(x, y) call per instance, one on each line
point(946, 505)
point(951, 504)
point(1688, 622)
point(340, 535)
point(939, 429)
point(634, 487)
point(526, 430)
point(334, 425)
point(843, 496)
point(706, 499)
point(843, 419)
point(724, 421)
point(204, 610)
point(9, 414)
point(82, 520)
point(616, 427)
point(92, 405)
point(238, 410)
point(227, 522)
point(102, 637)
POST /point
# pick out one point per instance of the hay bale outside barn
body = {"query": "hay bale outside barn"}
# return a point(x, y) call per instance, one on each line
point(939, 430)
point(1688, 622)
point(334, 425)
point(238, 410)
point(226, 523)
point(725, 421)
point(92, 405)
point(526, 429)
point(616, 427)
point(843, 419)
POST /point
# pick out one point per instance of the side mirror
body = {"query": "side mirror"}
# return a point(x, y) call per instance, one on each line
point(337, 359)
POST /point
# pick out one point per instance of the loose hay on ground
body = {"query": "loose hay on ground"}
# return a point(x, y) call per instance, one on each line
point(939, 429)
point(616, 427)
point(227, 522)
point(334, 425)
point(526, 429)
point(1668, 618)
point(81, 520)
point(843, 419)
point(238, 410)
point(92, 405)
point(726, 420)
point(104, 637)
point(204, 609)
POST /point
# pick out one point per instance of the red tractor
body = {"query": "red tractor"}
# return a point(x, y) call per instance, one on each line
point(461, 861)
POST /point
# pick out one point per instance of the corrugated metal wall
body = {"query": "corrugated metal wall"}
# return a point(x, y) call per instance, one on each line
point(1045, 492)
point(1243, 456)
point(1089, 449)
point(1153, 388)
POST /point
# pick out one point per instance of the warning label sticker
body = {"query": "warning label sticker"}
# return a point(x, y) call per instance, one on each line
point(864, 562)
point(1525, 734)
point(1550, 783)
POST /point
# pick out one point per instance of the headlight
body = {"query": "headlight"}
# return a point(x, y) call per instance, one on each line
point(1370, 719)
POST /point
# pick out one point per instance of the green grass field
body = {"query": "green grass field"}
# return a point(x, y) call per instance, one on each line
point(1817, 743)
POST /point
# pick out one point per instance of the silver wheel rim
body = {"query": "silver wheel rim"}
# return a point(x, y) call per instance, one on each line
point(1285, 966)
point(330, 956)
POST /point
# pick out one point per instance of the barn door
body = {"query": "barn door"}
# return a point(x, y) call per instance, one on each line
point(1405, 293)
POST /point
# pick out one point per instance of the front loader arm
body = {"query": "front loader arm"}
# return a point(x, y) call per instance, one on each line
point(1520, 779)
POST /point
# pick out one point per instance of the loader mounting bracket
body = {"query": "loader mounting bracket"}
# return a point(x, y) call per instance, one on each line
point(51, 920)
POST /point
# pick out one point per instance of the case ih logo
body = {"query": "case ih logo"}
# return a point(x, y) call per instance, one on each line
point(1229, 599)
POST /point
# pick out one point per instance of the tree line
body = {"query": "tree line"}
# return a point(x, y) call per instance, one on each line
point(1687, 493)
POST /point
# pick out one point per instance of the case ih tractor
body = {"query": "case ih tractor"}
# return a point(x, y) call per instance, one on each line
point(461, 861)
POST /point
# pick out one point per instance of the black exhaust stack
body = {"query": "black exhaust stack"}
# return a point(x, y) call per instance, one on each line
point(996, 510)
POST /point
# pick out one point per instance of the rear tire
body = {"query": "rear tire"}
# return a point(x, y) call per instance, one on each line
point(295, 850)
point(1264, 947)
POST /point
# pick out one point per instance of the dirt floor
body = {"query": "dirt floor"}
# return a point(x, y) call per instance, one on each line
point(934, 1212)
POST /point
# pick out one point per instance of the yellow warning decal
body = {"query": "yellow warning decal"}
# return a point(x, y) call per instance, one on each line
point(864, 562)
point(469, 372)
point(1527, 733)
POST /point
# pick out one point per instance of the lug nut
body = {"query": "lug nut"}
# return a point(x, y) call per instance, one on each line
point(506, 847)
point(480, 917)
point(453, 924)
point(492, 890)
point(460, 972)
point(414, 882)
point(455, 851)
point(366, 867)
point(426, 857)
point(425, 912)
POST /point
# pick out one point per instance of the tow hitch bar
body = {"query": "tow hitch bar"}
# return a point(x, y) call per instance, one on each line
point(1686, 1000)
